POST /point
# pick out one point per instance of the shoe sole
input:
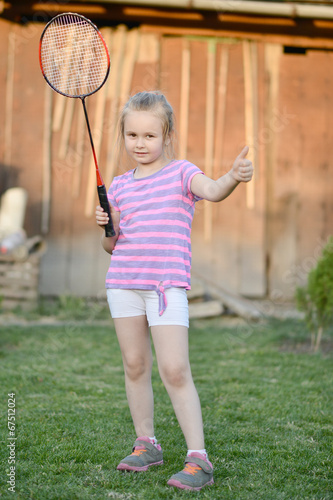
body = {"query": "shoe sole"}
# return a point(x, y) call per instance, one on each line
point(181, 486)
point(134, 468)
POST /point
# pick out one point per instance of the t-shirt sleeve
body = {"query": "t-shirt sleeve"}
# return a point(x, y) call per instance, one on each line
point(112, 196)
point(189, 170)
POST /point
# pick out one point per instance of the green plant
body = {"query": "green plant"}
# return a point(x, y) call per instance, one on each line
point(316, 298)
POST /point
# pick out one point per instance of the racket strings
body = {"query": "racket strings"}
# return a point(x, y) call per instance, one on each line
point(73, 56)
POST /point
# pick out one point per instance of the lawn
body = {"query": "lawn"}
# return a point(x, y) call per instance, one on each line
point(267, 408)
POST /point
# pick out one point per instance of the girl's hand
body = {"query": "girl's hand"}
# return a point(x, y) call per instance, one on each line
point(102, 217)
point(242, 169)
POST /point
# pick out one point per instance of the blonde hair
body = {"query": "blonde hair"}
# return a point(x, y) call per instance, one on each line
point(157, 103)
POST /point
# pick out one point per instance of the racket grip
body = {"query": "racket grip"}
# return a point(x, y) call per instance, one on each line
point(104, 202)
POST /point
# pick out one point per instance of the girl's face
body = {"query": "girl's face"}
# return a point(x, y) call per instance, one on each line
point(143, 136)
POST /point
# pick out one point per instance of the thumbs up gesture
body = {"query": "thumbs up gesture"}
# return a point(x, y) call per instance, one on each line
point(242, 169)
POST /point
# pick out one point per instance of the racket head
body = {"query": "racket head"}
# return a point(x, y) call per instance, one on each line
point(73, 55)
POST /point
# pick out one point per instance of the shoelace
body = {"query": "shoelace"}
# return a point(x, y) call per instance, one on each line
point(138, 451)
point(192, 469)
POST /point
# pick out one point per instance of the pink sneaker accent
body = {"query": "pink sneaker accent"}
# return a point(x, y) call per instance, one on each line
point(144, 454)
point(197, 473)
point(200, 455)
point(151, 441)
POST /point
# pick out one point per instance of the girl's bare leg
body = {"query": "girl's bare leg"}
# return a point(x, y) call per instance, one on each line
point(172, 353)
point(134, 341)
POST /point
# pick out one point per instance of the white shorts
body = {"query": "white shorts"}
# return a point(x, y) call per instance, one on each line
point(129, 303)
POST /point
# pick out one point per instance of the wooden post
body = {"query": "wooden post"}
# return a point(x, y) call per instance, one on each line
point(184, 98)
point(61, 101)
point(209, 132)
point(47, 160)
point(252, 256)
point(221, 109)
point(97, 132)
point(66, 128)
point(9, 98)
point(272, 64)
point(79, 153)
point(250, 64)
point(118, 57)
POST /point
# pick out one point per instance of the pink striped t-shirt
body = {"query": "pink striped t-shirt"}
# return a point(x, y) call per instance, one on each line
point(153, 251)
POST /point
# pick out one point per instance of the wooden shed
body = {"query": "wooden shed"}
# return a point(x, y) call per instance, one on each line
point(236, 72)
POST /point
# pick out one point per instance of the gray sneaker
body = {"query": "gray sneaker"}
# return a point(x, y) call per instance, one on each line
point(197, 473)
point(143, 456)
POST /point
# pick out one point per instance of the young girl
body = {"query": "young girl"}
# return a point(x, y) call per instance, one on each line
point(152, 208)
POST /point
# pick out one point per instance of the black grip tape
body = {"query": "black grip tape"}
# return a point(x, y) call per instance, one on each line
point(104, 202)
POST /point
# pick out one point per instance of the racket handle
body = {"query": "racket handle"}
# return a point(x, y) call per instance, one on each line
point(104, 202)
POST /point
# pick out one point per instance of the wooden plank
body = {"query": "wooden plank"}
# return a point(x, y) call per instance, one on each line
point(221, 110)
point(61, 101)
point(28, 109)
point(302, 181)
point(209, 309)
point(21, 294)
point(59, 111)
point(79, 152)
point(184, 98)
point(252, 262)
point(149, 49)
point(18, 270)
point(9, 97)
point(29, 280)
point(47, 160)
point(132, 45)
point(114, 84)
point(8, 305)
point(97, 132)
point(250, 66)
point(133, 42)
point(272, 65)
point(240, 306)
point(66, 128)
point(294, 41)
point(81, 139)
point(209, 132)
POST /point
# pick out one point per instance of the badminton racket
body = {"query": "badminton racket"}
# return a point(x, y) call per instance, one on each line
point(75, 62)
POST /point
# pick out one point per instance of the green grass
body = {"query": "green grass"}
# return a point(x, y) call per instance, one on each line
point(267, 408)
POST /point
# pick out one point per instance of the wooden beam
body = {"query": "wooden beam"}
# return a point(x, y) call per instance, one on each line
point(208, 309)
point(117, 56)
point(9, 97)
point(47, 160)
point(209, 132)
point(184, 98)
point(221, 110)
point(79, 152)
point(237, 304)
point(250, 66)
point(292, 40)
point(98, 136)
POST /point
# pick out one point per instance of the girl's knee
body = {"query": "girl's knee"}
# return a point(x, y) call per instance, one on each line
point(136, 368)
point(176, 375)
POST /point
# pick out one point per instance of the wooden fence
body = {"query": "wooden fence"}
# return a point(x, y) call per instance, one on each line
point(263, 239)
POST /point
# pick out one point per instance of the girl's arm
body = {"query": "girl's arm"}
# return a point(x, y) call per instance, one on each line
point(102, 218)
point(208, 189)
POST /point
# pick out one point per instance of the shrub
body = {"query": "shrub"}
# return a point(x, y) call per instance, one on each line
point(316, 298)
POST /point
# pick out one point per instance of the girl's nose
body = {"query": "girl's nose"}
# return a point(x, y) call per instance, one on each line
point(140, 142)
